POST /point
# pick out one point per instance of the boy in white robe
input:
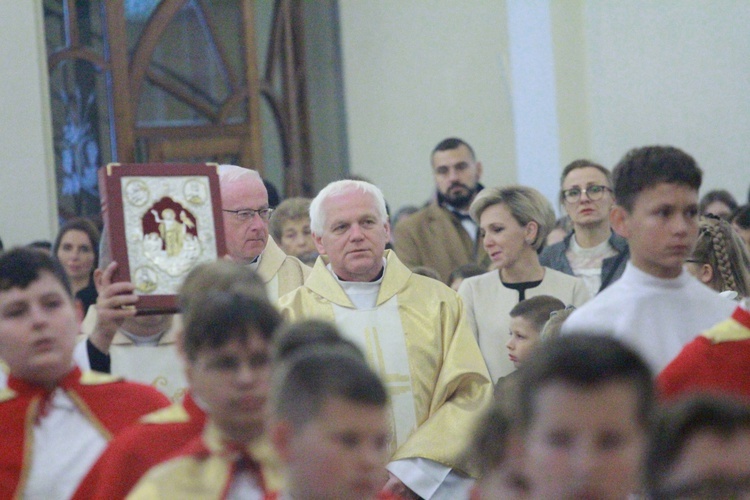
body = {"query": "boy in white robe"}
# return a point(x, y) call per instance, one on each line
point(656, 306)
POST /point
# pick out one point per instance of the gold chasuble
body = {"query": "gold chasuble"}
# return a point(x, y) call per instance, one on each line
point(280, 272)
point(418, 340)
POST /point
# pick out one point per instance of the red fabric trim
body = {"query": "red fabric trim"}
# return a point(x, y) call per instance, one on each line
point(16, 417)
point(238, 455)
point(741, 316)
point(13, 415)
point(119, 404)
point(191, 407)
point(703, 366)
point(113, 406)
point(136, 450)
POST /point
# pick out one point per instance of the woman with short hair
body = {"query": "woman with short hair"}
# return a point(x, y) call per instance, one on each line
point(513, 222)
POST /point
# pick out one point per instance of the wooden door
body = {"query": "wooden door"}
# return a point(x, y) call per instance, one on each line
point(178, 80)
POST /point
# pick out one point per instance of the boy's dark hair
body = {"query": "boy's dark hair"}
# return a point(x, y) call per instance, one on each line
point(85, 226)
point(224, 316)
point(741, 217)
point(19, 267)
point(222, 301)
point(537, 309)
point(452, 143)
point(220, 275)
point(310, 333)
point(308, 379)
point(676, 424)
point(585, 361)
point(645, 167)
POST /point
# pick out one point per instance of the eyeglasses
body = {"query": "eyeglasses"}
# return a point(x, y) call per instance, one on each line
point(593, 193)
point(245, 214)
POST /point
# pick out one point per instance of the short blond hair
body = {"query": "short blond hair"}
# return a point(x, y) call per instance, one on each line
point(525, 204)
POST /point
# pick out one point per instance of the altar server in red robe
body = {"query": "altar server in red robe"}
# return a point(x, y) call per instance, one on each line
point(158, 436)
point(54, 420)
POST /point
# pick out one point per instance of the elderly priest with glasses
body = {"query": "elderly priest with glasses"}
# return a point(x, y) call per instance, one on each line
point(244, 201)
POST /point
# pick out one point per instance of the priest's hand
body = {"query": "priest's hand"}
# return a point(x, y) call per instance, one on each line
point(115, 303)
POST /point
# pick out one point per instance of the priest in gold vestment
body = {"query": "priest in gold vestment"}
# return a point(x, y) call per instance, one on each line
point(244, 201)
point(413, 330)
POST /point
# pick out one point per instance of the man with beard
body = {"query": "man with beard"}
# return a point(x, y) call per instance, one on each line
point(442, 235)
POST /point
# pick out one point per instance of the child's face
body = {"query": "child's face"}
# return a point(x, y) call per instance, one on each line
point(38, 328)
point(585, 442)
point(708, 454)
point(341, 453)
point(233, 381)
point(296, 237)
point(523, 337)
point(662, 228)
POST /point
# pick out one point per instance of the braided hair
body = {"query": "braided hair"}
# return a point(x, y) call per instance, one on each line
point(720, 247)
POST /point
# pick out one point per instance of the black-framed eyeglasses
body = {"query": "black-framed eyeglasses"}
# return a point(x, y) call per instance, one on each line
point(245, 214)
point(593, 193)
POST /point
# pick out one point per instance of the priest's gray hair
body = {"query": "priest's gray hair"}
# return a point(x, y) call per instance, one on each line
point(317, 213)
point(231, 173)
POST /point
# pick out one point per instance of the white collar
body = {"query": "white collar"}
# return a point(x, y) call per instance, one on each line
point(141, 340)
point(363, 294)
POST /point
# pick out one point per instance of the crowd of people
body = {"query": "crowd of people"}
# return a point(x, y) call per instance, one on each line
point(458, 351)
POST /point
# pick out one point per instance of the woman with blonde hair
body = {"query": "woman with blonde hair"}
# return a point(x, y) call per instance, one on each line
point(513, 222)
point(720, 259)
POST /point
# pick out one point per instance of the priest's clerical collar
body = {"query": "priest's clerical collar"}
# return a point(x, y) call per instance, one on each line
point(255, 263)
point(376, 279)
point(363, 294)
point(144, 340)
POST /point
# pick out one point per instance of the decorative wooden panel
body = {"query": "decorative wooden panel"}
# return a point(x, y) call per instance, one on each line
point(172, 81)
